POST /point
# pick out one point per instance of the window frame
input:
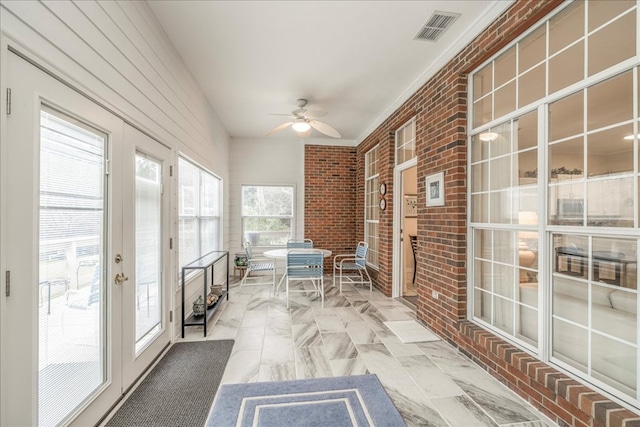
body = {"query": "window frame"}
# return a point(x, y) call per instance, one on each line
point(292, 217)
point(546, 229)
point(198, 216)
point(371, 204)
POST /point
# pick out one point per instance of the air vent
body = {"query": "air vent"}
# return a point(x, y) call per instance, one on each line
point(436, 26)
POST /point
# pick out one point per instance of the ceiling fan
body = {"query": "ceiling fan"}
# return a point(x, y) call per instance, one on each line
point(304, 120)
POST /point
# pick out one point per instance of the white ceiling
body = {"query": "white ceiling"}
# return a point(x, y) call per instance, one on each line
point(355, 60)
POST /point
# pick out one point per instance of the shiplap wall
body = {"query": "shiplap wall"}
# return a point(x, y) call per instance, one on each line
point(116, 53)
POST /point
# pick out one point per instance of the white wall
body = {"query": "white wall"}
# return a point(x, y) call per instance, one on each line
point(268, 161)
point(116, 53)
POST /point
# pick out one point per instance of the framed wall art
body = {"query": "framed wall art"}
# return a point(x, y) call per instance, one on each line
point(435, 189)
point(410, 205)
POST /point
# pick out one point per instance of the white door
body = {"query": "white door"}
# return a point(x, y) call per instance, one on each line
point(69, 200)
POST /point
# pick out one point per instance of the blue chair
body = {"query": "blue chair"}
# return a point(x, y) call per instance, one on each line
point(258, 265)
point(306, 265)
point(352, 268)
point(295, 244)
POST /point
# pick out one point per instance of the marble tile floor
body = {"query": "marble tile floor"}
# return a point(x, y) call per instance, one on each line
point(430, 383)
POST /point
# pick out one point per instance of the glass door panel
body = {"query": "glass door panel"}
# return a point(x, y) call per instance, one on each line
point(72, 343)
point(148, 289)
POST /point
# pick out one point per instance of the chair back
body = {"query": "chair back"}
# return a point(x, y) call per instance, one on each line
point(306, 243)
point(361, 254)
point(307, 264)
point(247, 248)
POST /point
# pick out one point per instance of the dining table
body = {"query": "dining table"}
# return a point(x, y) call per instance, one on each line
point(281, 254)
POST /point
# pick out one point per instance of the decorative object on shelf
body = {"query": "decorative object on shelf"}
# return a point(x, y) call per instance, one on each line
point(198, 307)
point(211, 299)
point(383, 204)
point(216, 290)
point(435, 189)
point(383, 189)
point(410, 206)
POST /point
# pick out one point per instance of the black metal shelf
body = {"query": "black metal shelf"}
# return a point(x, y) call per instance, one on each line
point(204, 263)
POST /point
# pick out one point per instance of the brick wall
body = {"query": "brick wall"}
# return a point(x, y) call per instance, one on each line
point(330, 214)
point(440, 108)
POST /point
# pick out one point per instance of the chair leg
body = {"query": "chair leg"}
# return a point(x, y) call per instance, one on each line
point(244, 278)
point(287, 291)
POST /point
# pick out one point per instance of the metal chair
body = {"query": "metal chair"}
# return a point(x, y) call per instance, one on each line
point(352, 268)
point(294, 244)
point(257, 264)
point(306, 265)
point(414, 249)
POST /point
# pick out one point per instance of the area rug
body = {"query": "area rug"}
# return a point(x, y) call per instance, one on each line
point(180, 389)
point(358, 400)
point(410, 331)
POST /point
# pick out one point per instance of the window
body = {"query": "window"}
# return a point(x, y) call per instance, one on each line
point(267, 214)
point(371, 205)
point(554, 194)
point(198, 212)
point(406, 142)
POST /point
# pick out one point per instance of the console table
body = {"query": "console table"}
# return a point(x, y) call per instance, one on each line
point(205, 263)
point(618, 259)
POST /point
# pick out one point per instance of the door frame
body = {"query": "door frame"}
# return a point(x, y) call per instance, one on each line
point(398, 193)
point(9, 45)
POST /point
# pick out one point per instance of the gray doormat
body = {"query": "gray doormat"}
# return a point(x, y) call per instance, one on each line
point(179, 391)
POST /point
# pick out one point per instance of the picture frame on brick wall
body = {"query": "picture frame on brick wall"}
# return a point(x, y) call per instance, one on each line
point(435, 189)
point(410, 206)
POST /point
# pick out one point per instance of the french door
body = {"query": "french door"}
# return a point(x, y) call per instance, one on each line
point(84, 218)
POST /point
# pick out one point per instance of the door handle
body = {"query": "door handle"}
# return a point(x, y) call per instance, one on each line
point(120, 279)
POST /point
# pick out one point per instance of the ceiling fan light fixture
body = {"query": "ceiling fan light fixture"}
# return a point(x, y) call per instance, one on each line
point(301, 126)
point(488, 136)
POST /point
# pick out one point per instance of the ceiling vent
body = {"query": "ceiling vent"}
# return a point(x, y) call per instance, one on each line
point(436, 26)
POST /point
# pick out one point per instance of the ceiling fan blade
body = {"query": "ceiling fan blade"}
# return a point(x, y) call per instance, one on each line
point(278, 128)
point(325, 128)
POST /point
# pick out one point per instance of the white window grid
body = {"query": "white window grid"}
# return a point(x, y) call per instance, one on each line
point(371, 205)
point(483, 223)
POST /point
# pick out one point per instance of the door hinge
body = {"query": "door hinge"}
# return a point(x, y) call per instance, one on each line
point(107, 166)
point(170, 242)
point(170, 316)
point(7, 283)
point(8, 101)
point(170, 170)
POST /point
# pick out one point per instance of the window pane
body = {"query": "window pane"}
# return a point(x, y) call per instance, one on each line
point(188, 236)
point(566, 159)
point(570, 296)
point(566, 117)
point(527, 320)
point(603, 11)
point(610, 102)
point(500, 207)
point(482, 305)
point(500, 172)
point(505, 67)
point(209, 235)
point(209, 195)
point(267, 200)
point(610, 202)
point(499, 139)
point(480, 208)
point(504, 100)
point(503, 314)
point(601, 55)
point(566, 68)
point(566, 27)
point(531, 85)
point(482, 111)
point(482, 81)
point(532, 49)
point(526, 165)
point(187, 185)
point(570, 343)
point(480, 177)
point(148, 253)
point(479, 148)
point(609, 153)
point(267, 231)
point(614, 363)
